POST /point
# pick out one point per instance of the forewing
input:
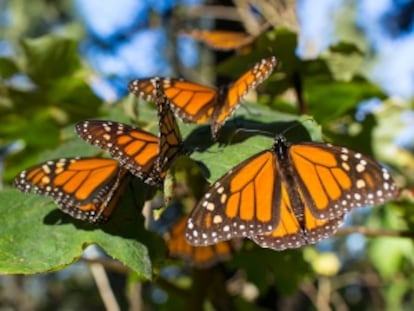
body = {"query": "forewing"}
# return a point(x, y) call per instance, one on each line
point(145, 88)
point(240, 204)
point(85, 188)
point(333, 180)
point(236, 92)
point(222, 40)
point(135, 149)
point(170, 142)
point(191, 102)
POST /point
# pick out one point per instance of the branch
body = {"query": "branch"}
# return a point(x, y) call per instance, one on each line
point(376, 232)
point(105, 290)
point(215, 11)
point(109, 264)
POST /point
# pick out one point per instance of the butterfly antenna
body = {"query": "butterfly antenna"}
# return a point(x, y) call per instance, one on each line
point(249, 111)
point(295, 124)
point(238, 134)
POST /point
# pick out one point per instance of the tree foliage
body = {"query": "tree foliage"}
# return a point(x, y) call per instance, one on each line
point(36, 237)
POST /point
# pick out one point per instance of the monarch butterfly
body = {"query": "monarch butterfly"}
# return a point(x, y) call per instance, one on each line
point(225, 40)
point(199, 256)
point(288, 196)
point(85, 188)
point(142, 153)
point(222, 40)
point(195, 103)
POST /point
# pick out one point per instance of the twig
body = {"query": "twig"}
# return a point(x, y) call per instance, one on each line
point(376, 232)
point(310, 291)
point(105, 290)
point(298, 87)
point(323, 294)
point(134, 296)
point(215, 11)
point(109, 264)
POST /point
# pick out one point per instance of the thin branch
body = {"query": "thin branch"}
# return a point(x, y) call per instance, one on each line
point(134, 296)
point(298, 87)
point(323, 294)
point(105, 290)
point(215, 11)
point(338, 302)
point(109, 264)
point(309, 289)
point(376, 232)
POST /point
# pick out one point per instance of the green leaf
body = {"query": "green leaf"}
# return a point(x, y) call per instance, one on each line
point(329, 99)
point(8, 68)
point(36, 237)
point(50, 57)
point(285, 270)
point(344, 61)
point(246, 137)
point(396, 250)
point(74, 97)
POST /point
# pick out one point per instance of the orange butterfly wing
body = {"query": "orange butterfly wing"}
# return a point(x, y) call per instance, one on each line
point(85, 188)
point(170, 141)
point(135, 149)
point(332, 179)
point(242, 203)
point(292, 232)
point(199, 256)
point(191, 102)
point(196, 103)
point(288, 196)
point(146, 89)
point(221, 39)
point(142, 153)
point(236, 92)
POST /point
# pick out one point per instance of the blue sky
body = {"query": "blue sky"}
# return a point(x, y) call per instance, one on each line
point(120, 45)
point(142, 54)
point(380, 21)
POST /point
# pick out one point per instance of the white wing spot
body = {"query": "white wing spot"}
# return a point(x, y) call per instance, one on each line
point(217, 219)
point(345, 166)
point(210, 206)
point(360, 168)
point(360, 183)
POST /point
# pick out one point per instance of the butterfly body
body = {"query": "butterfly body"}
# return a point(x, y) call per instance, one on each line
point(85, 188)
point(288, 196)
point(196, 103)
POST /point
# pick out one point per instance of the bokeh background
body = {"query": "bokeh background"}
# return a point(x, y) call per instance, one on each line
point(346, 64)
